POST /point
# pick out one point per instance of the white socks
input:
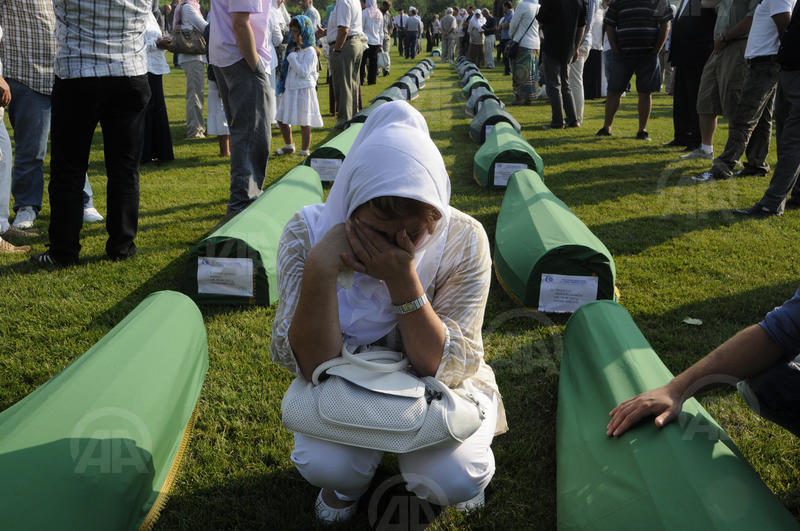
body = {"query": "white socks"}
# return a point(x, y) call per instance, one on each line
point(705, 148)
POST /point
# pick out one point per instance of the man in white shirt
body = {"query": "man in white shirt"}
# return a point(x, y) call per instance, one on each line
point(311, 12)
point(400, 22)
point(388, 29)
point(753, 115)
point(344, 39)
point(448, 25)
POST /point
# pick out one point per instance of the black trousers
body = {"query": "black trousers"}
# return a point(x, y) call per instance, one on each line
point(118, 104)
point(684, 105)
point(369, 64)
point(401, 42)
point(157, 136)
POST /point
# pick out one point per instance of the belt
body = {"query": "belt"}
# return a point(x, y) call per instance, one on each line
point(762, 59)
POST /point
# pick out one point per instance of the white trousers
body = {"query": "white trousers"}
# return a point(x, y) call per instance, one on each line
point(195, 88)
point(575, 75)
point(6, 159)
point(488, 45)
point(443, 475)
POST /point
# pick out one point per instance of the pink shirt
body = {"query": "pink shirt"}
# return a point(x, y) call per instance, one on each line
point(223, 50)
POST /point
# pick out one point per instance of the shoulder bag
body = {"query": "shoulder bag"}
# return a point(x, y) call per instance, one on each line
point(190, 42)
point(512, 46)
point(371, 400)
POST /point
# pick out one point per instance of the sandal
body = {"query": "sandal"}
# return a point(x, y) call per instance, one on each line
point(303, 153)
point(285, 150)
point(329, 515)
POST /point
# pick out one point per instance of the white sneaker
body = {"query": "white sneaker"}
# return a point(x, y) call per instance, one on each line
point(91, 215)
point(698, 154)
point(329, 515)
point(471, 504)
point(25, 217)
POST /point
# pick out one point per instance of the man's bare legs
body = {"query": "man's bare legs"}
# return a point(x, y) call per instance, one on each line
point(644, 107)
point(224, 145)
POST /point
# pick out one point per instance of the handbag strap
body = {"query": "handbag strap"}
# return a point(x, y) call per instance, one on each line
point(526, 30)
point(366, 360)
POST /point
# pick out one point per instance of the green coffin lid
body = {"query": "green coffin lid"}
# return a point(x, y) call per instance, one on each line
point(491, 113)
point(391, 94)
point(363, 114)
point(464, 65)
point(252, 238)
point(470, 73)
point(338, 146)
point(408, 85)
point(417, 75)
point(504, 144)
point(538, 234)
point(478, 95)
point(98, 445)
point(687, 475)
point(436, 51)
point(473, 83)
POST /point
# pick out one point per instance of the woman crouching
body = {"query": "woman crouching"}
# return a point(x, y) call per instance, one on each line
point(421, 280)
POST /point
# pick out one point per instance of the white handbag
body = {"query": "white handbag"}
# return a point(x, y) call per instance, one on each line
point(383, 60)
point(370, 400)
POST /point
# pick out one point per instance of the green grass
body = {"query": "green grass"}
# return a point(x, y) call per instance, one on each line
point(678, 254)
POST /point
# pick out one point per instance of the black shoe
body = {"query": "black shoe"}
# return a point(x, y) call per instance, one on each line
point(603, 132)
point(748, 171)
point(711, 175)
point(46, 259)
point(643, 135)
point(756, 211)
point(674, 143)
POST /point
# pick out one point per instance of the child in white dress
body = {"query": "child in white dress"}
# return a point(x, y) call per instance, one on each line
point(297, 93)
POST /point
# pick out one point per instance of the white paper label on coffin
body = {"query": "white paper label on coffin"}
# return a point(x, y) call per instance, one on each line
point(225, 276)
point(326, 168)
point(566, 293)
point(398, 383)
point(504, 170)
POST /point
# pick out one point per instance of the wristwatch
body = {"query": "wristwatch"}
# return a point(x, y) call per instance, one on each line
point(411, 306)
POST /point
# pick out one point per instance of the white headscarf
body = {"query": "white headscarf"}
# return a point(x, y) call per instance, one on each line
point(393, 155)
point(477, 21)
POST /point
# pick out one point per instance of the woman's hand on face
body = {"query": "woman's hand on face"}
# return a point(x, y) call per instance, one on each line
point(390, 261)
point(334, 253)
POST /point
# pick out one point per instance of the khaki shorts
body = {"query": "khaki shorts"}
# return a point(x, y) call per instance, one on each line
point(721, 82)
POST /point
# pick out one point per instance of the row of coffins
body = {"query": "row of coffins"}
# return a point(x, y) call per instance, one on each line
point(327, 158)
point(687, 475)
point(544, 256)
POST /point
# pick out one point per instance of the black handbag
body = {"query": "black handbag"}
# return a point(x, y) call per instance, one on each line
point(189, 42)
point(512, 46)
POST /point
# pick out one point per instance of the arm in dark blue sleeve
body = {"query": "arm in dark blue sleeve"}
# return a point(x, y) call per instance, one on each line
point(783, 325)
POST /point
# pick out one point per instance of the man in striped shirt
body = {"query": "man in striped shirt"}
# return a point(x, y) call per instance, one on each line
point(100, 76)
point(637, 31)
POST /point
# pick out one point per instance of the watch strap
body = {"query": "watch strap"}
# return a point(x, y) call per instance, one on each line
point(411, 306)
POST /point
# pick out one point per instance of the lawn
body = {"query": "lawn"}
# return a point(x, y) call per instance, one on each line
point(678, 251)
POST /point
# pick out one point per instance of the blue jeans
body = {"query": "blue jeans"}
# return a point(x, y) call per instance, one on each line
point(29, 114)
point(248, 100)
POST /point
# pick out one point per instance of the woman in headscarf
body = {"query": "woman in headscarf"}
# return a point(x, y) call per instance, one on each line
point(476, 52)
point(372, 23)
point(387, 222)
point(524, 29)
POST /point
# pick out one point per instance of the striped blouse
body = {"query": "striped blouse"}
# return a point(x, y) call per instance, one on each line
point(458, 295)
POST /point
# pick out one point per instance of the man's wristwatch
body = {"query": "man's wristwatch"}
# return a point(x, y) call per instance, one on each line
point(411, 306)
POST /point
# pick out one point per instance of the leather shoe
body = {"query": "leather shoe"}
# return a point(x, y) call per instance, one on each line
point(747, 172)
point(756, 211)
point(674, 143)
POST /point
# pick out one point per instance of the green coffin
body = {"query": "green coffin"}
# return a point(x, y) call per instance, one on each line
point(363, 114)
point(236, 264)
point(408, 85)
point(437, 51)
point(429, 63)
point(464, 65)
point(478, 95)
point(470, 77)
point(391, 94)
point(504, 146)
point(338, 146)
point(538, 239)
point(98, 445)
point(491, 113)
point(417, 75)
point(687, 475)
